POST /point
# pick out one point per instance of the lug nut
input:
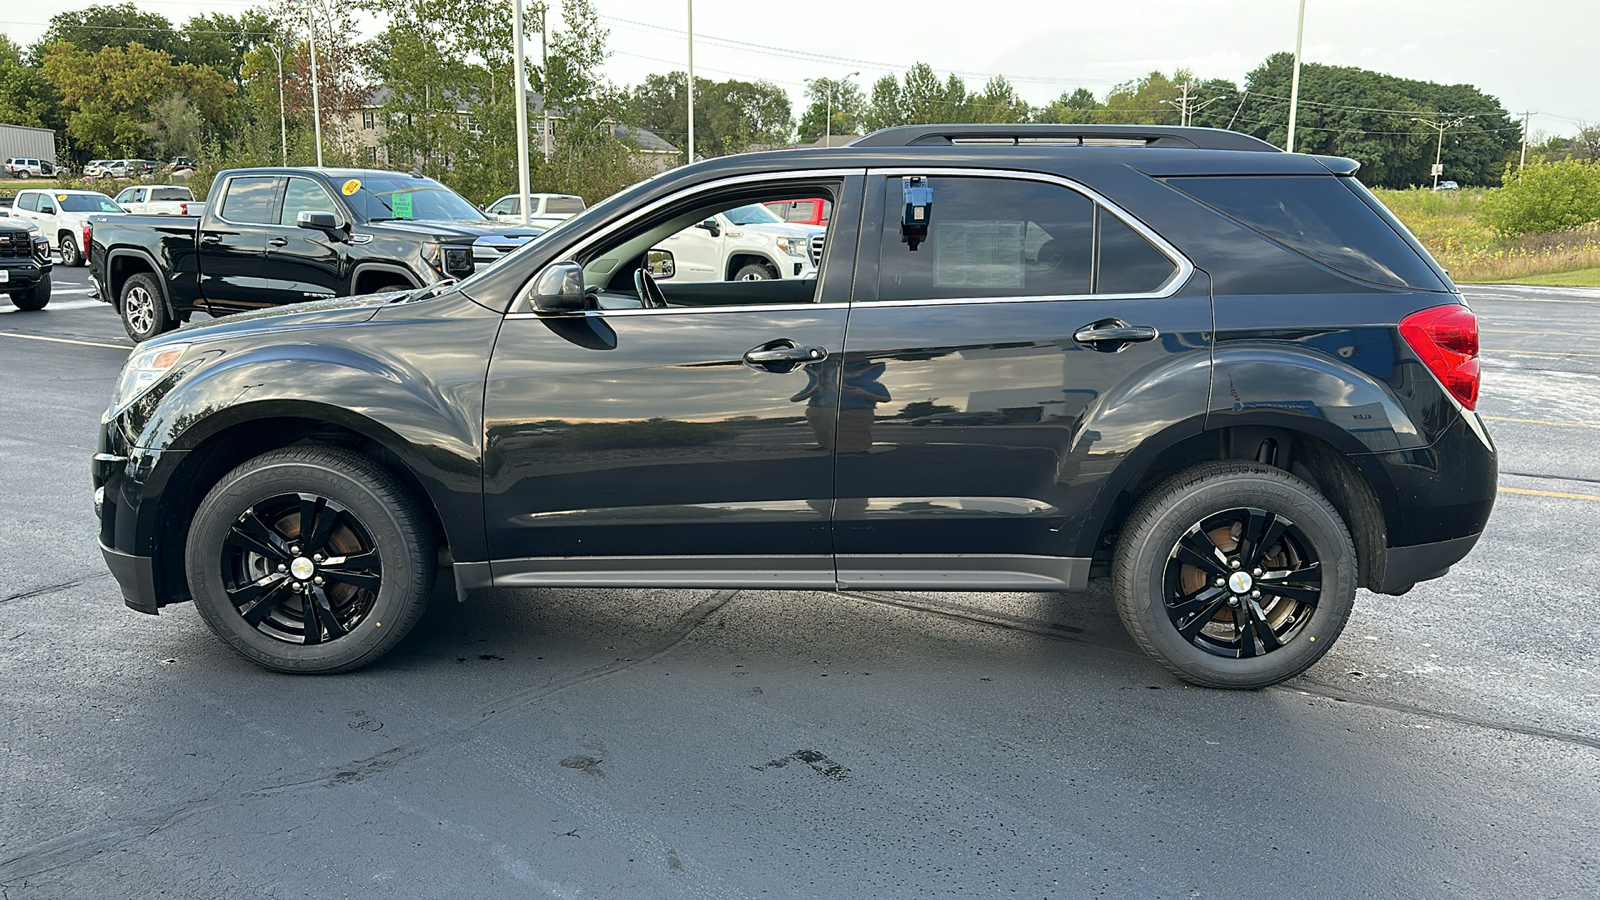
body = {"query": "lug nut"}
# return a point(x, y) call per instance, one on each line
point(282, 567)
point(294, 549)
point(1256, 594)
point(1233, 601)
point(317, 557)
point(1234, 563)
point(1256, 572)
point(317, 580)
point(1220, 581)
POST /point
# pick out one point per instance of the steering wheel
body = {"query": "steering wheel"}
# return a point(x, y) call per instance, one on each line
point(649, 292)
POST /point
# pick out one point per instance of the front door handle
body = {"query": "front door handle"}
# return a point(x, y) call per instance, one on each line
point(211, 239)
point(278, 242)
point(1111, 335)
point(783, 356)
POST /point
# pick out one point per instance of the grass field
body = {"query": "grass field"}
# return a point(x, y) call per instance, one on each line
point(1472, 253)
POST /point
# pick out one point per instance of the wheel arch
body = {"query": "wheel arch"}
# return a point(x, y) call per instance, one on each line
point(123, 263)
point(219, 444)
point(371, 271)
point(1359, 493)
point(739, 259)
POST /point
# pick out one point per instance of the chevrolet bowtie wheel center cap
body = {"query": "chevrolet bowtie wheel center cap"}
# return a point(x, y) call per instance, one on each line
point(303, 568)
point(1238, 582)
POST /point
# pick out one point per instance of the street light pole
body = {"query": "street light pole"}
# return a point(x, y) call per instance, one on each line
point(519, 74)
point(827, 133)
point(1294, 87)
point(316, 102)
point(283, 120)
point(690, 158)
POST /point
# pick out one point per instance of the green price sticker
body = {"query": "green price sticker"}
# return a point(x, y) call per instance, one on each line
point(402, 206)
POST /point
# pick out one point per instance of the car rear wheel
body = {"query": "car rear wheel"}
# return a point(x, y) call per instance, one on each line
point(70, 254)
point(1235, 575)
point(144, 313)
point(33, 298)
point(310, 560)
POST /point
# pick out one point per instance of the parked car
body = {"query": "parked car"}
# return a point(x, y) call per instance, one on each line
point(160, 200)
point(62, 216)
point(122, 168)
point(24, 264)
point(1447, 186)
point(96, 168)
point(18, 167)
point(547, 210)
point(747, 243)
point(1233, 384)
point(815, 211)
point(283, 235)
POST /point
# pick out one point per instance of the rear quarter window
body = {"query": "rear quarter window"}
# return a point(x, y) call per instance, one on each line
point(1317, 217)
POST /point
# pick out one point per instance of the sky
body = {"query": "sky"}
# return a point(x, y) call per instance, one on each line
point(1534, 55)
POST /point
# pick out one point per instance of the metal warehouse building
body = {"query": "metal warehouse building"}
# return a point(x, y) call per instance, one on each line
point(26, 142)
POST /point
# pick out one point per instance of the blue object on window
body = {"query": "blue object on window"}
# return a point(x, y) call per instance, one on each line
point(918, 210)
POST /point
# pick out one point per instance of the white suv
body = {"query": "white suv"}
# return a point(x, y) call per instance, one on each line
point(18, 167)
point(747, 243)
point(63, 217)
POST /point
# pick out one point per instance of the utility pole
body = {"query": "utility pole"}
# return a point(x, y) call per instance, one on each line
point(316, 102)
point(1524, 160)
point(1294, 87)
point(827, 134)
point(519, 74)
point(690, 158)
point(1186, 112)
point(1438, 151)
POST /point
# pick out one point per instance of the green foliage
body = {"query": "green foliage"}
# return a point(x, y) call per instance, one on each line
point(107, 96)
point(729, 116)
point(1372, 118)
point(25, 97)
point(849, 108)
point(1075, 108)
point(1144, 101)
point(1543, 197)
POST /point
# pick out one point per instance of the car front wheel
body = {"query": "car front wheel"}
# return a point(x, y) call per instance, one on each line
point(33, 298)
point(1235, 575)
point(70, 254)
point(310, 560)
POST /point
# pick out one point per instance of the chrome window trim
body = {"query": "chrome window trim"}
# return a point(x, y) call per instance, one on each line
point(524, 300)
point(1185, 269)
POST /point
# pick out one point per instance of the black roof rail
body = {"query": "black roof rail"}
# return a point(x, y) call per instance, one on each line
point(1083, 135)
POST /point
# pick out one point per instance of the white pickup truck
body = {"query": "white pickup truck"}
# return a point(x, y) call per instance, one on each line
point(548, 210)
point(160, 200)
point(747, 243)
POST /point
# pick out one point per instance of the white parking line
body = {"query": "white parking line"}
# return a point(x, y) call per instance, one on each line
point(63, 305)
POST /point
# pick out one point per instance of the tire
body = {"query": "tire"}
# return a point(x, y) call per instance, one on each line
point(246, 555)
point(755, 272)
point(1167, 566)
point(144, 314)
point(34, 298)
point(68, 245)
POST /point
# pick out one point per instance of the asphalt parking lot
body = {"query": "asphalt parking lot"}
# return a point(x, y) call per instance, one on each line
point(622, 743)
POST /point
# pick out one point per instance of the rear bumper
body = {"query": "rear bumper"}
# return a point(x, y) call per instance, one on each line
point(1405, 566)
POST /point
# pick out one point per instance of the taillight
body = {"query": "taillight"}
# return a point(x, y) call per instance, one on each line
point(1445, 338)
point(86, 241)
point(183, 209)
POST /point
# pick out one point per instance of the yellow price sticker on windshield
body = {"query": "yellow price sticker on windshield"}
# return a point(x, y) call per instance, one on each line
point(61, 198)
point(351, 186)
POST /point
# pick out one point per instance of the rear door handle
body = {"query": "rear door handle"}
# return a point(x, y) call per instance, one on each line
point(1114, 334)
point(782, 355)
point(278, 242)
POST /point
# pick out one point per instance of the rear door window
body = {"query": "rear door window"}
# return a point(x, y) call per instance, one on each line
point(1317, 217)
point(251, 200)
point(563, 205)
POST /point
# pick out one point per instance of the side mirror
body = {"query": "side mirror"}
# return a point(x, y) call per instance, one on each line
point(559, 289)
point(325, 222)
point(660, 264)
point(711, 226)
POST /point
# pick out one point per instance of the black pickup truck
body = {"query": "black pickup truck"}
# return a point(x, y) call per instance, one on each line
point(271, 236)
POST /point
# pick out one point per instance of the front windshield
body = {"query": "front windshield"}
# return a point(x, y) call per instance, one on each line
point(754, 214)
point(87, 203)
point(383, 198)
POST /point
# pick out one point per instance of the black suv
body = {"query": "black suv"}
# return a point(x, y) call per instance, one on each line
point(24, 264)
point(1224, 376)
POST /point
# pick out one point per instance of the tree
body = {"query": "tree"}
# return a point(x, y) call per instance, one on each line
point(25, 97)
point(175, 127)
point(1143, 101)
point(107, 97)
point(95, 27)
point(729, 116)
point(1076, 108)
point(886, 109)
point(849, 108)
point(997, 103)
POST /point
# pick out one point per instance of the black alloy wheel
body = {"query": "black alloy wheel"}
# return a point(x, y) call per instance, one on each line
point(301, 568)
point(1242, 583)
point(1234, 574)
point(311, 559)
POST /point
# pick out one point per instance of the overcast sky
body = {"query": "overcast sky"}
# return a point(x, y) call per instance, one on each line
point(1532, 54)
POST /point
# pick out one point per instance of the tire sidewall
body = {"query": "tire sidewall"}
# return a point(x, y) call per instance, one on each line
point(765, 272)
point(34, 298)
point(69, 250)
point(391, 615)
point(1142, 597)
point(158, 313)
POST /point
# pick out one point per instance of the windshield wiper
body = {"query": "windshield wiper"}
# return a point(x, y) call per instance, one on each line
point(426, 291)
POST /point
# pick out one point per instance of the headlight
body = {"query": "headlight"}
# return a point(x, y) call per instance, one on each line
point(794, 246)
point(142, 372)
point(453, 260)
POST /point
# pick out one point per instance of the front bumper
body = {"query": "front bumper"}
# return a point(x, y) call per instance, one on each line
point(124, 478)
point(136, 576)
point(21, 276)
